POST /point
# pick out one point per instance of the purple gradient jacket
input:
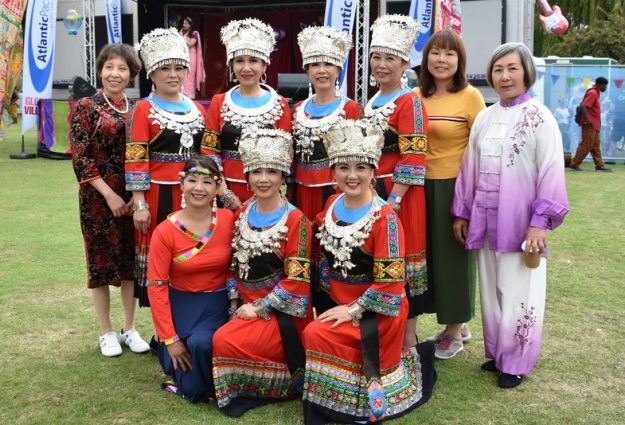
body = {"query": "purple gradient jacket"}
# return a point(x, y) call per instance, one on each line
point(511, 176)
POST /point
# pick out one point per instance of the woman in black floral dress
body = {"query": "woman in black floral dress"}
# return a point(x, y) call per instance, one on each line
point(98, 142)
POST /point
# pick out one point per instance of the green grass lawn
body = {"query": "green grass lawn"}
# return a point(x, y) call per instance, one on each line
point(52, 371)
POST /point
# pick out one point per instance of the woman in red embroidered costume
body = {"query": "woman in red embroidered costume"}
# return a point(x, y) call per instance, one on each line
point(252, 103)
point(258, 355)
point(324, 50)
point(98, 141)
point(400, 114)
point(166, 132)
point(188, 270)
point(356, 369)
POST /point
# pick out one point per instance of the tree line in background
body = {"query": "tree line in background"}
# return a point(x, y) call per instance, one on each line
point(596, 28)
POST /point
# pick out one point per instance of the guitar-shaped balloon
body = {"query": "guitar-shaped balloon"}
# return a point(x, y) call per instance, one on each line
point(553, 21)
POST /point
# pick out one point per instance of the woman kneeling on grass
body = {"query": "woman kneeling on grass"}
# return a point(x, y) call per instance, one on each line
point(187, 272)
point(510, 191)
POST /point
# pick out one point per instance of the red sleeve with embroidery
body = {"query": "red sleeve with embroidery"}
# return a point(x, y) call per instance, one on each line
point(81, 143)
point(410, 121)
point(386, 241)
point(211, 141)
point(137, 166)
point(292, 294)
point(159, 263)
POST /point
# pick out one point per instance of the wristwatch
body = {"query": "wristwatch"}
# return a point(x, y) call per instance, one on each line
point(140, 205)
point(395, 198)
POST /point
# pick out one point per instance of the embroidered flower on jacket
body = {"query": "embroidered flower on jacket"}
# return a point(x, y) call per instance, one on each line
point(531, 119)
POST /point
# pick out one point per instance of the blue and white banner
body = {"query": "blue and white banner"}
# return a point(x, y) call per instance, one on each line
point(114, 21)
point(39, 35)
point(422, 11)
point(341, 14)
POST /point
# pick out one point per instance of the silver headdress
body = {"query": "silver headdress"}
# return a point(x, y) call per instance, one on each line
point(266, 148)
point(352, 140)
point(394, 34)
point(161, 47)
point(248, 37)
point(324, 44)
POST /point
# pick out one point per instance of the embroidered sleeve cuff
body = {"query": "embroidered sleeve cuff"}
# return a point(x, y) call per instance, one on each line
point(169, 341)
point(412, 175)
point(233, 291)
point(380, 302)
point(137, 152)
point(137, 181)
point(288, 302)
point(416, 144)
point(298, 269)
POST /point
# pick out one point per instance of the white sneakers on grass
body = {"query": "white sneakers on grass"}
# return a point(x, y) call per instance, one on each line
point(111, 343)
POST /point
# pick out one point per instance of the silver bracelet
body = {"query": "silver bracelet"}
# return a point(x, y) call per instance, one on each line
point(227, 198)
point(140, 205)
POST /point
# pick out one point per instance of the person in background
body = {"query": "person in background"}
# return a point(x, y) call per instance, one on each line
point(196, 75)
point(452, 106)
point(98, 145)
point(399, 113)
point(251, 103)
point(188, 271)
point(591, 127)
point(258, 355)
point(563, 117)
point(510, 192)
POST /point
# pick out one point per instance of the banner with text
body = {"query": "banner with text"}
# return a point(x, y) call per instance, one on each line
point(423, 12)
point(114, 21)
point(341, 14)
point(39, 35)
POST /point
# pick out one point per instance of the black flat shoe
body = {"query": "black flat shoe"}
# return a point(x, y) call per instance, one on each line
point(509, 381)
point(489, 366)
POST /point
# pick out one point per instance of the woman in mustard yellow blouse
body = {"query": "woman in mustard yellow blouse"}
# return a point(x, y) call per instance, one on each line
point(452, 105)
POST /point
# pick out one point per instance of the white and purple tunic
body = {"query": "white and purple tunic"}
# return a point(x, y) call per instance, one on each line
point(511, 177)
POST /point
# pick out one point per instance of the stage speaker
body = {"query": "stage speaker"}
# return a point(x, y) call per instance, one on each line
point(81, 88)
point(293, 86)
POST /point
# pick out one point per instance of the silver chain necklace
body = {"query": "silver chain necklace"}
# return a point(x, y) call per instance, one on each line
point(378, 117)
point(307, 131)
point(340, 241)
point(186, 125)
point(263, 116)
point(248, 243)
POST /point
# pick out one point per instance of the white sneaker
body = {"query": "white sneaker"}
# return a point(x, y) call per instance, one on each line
point(109, 345)
point(133, 340)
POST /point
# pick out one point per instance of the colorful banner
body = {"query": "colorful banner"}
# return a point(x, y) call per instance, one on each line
point(12, 10)
point(114, 21)
point(448, 16)
point(422, 11)
point(39, 36)
point(341, 14)
point(10, 34)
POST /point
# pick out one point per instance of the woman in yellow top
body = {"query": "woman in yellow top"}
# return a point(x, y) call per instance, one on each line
point(452, 105)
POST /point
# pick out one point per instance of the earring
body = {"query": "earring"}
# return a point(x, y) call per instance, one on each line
point(372, 81)
point(231, 76)
point(310, 89)
point(404, 80)
point(283, 190)
point(182, 90)
point(334, 183)
point(214, 204)
point(183, 201)
point(337, 88)
point(263, 78)
point(153, 88)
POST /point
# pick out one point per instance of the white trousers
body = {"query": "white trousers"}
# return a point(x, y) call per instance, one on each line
point(513, 304)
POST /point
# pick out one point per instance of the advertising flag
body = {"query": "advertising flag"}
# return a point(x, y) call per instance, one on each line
point(341, 14)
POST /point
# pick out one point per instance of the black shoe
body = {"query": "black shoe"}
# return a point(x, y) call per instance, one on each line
point(489, 366)
point(607, 170)
point(509, 381)
point(575, 168)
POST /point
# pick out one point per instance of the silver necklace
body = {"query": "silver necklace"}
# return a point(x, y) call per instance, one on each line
point(378, 117)
point(340, 241)
point(307, 131)
point(114, 108)
point(186, 125)
point(248, 243)
point(262, 116)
